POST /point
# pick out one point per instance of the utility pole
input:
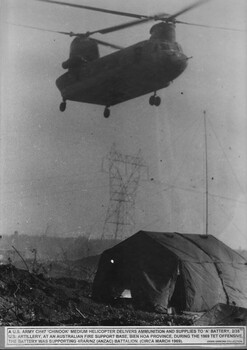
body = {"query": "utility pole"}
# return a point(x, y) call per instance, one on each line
point(124, 176)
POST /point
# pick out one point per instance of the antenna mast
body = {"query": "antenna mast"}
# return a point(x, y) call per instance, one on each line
point(206, 169)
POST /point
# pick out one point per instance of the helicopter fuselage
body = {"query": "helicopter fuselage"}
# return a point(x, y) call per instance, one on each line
point(145, 67)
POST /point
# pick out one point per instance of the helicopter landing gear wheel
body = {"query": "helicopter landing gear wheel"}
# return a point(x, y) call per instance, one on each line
point(157, 101)
point(152, 100)
point(107, 112)
point(62, 106)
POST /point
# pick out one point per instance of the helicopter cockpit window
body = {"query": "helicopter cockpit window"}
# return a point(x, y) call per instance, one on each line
point(170, 46)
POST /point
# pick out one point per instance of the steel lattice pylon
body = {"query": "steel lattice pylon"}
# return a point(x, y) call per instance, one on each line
point(124, 176)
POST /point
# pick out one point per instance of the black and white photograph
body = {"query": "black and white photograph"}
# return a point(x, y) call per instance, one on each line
point(123, 219)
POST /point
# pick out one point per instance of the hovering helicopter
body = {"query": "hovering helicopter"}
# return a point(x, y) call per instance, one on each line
point(137, 70)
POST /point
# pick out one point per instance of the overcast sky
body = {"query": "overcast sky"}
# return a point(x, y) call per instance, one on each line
point(51, 162)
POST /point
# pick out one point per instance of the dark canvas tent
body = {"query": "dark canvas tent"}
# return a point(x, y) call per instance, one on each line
point(187, 271)
point(223, 315)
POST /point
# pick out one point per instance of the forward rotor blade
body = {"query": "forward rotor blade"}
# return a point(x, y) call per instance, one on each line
point(188, 8)
point(120, 13)
point(113, 46)
point(44, 30)
point(208, 26)
point(104, 43)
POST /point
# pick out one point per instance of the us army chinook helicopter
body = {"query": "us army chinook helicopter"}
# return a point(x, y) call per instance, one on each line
point(137, 70)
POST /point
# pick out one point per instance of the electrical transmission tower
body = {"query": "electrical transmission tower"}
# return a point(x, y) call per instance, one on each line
point(124, 176)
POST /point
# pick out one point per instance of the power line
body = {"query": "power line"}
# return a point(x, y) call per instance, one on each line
point(210, 194)
point(151, 223)
point(224, 153)
point(227, 216)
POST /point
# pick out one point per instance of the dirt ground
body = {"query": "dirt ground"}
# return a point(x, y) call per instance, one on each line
point(35, 299)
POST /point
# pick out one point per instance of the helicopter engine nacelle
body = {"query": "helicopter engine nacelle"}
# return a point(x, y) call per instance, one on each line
point(82, 50)
point(163, 31)
point(73, 62)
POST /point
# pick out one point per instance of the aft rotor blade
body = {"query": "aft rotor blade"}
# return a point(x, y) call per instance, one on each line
point(208, 26)
point(186, 9)
point(120, 13)
point(119, 27)
point(163, 17)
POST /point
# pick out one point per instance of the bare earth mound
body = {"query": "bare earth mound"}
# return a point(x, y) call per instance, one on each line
point(31, 299)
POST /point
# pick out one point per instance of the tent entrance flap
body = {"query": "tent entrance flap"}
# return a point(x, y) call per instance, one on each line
point(178, 299)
